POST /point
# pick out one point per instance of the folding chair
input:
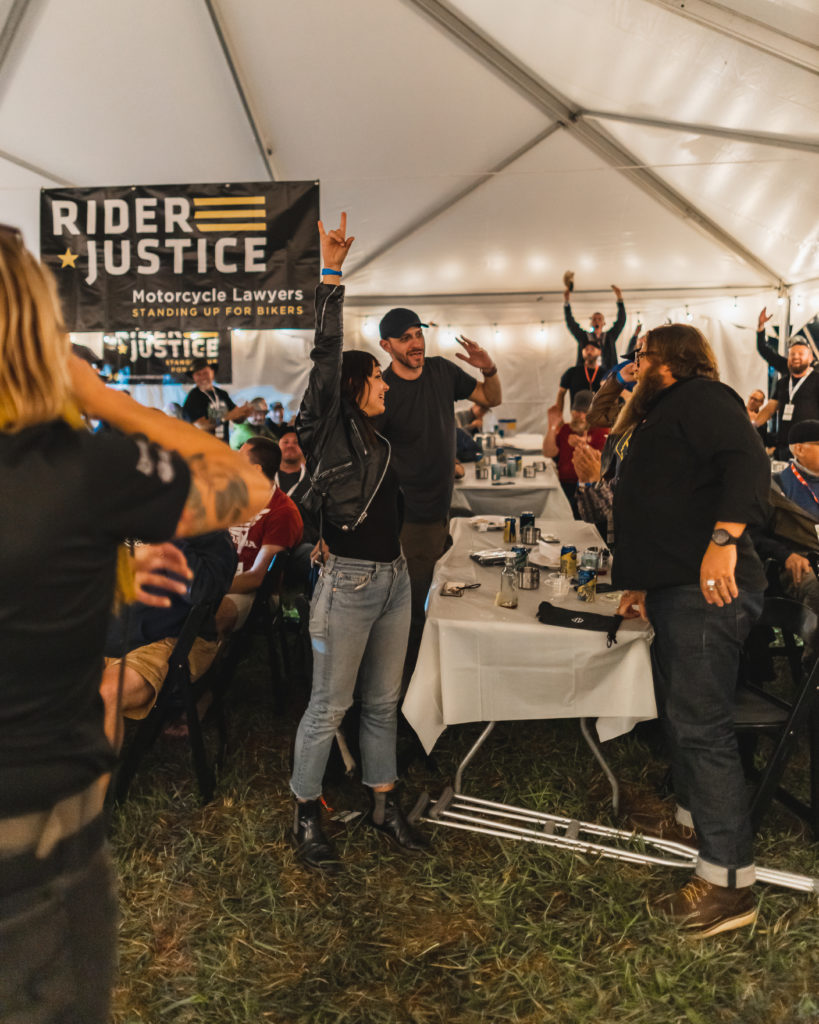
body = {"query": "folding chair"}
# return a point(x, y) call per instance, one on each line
point(178, 686)
point(265, 615)
point(761, 712)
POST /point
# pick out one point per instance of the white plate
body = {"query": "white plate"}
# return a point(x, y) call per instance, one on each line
point(544, 561)
point(487, 522)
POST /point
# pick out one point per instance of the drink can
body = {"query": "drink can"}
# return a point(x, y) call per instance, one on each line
point(527, 519)
point(509, 532)
point(586, 585)
point(568, 560)
point(522, 553)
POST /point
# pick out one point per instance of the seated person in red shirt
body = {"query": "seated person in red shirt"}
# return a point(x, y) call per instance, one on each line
point(562, 438)
point(278, 527)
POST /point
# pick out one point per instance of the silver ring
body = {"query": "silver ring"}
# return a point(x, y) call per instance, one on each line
point(710, 584)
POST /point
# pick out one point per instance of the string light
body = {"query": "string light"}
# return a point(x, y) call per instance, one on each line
point(541, 331)
point(688, 315)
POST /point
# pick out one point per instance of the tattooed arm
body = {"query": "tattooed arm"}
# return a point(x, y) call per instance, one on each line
point(225, 488)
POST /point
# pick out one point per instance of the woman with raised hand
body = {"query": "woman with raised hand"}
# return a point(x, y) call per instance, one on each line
point(360, 613)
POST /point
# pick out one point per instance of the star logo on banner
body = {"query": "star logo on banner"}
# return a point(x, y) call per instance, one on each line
point(68, 259)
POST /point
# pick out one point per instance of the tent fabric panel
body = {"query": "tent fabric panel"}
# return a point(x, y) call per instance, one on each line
point(634, 56)
point(559, 207)
point(764, 197)
point(110, 93)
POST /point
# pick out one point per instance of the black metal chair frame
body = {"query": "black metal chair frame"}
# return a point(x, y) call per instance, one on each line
point(759, 711)
point(178, 685)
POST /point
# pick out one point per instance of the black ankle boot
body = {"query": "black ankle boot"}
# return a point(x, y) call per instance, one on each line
point(386, 816)
point(312, 846)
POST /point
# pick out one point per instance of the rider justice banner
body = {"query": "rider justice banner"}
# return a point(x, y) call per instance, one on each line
point(183, 256)
point(165, 357)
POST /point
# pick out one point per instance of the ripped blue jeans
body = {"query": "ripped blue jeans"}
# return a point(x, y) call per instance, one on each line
point(359, 623)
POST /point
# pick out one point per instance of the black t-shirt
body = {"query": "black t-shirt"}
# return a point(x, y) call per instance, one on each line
point(579, 378)
point(419, 423)
point(68, 499)
point(695, 460)
point(376, 539)
point(211, 404)
point(805, 403)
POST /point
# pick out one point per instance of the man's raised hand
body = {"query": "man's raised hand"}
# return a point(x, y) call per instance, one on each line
point(475, 355)
point(334, 244)
point(764, 317)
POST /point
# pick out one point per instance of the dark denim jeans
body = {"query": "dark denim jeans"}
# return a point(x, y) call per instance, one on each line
point(695, 657)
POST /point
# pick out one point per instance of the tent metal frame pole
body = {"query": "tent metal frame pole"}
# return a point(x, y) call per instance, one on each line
point(265, 151)
point(737, 134)
point(12, 23)
point(725, 20)
point(447, 204)
point(41, 171)
point(596, 139)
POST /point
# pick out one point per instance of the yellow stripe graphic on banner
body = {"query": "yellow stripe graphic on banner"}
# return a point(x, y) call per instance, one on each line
point(258, 226)
point(228, 200)
point(212, 214)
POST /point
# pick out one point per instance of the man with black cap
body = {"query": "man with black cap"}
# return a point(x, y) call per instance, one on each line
point(208, 407)
point(795, 397)
point(419, 423)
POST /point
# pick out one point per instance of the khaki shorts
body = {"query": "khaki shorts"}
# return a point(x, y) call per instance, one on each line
point(151, 662)
point(242, 603)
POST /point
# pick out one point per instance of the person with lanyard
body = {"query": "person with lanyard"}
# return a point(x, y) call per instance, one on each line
point(210, 408)
point(795, 397)
point(587, 375)
point(604, 340)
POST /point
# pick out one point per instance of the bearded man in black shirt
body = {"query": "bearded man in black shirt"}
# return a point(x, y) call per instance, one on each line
point(695, 475)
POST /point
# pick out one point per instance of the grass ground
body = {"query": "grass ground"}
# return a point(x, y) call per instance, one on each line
point(220, 924)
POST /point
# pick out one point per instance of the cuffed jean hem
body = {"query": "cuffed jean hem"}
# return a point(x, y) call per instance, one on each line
point(728, 878)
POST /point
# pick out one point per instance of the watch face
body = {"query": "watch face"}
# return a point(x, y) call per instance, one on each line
point(721, 537)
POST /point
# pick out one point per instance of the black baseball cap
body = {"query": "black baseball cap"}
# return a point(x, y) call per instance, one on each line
point(394, 323)
point(804, 432)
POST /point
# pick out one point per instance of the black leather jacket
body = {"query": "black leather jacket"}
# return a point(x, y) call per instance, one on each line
point(346, 469)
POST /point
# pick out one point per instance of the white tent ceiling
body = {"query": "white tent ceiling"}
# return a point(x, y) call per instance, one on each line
point(481, 148)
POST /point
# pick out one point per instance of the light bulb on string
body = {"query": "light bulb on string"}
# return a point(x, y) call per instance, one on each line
point(688, 315)
point(541, 331)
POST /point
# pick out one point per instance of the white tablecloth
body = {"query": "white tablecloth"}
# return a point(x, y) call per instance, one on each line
point(482, 663)
point(541, 494)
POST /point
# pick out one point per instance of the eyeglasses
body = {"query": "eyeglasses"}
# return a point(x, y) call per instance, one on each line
point(641, 354)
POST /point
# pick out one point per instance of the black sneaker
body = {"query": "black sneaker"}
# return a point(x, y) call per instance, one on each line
point(703, 909)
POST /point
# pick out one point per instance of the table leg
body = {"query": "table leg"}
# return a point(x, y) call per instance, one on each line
point(473, 750)
point(594, 746)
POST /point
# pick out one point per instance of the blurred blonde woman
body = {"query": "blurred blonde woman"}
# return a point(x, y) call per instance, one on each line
point(68, 499)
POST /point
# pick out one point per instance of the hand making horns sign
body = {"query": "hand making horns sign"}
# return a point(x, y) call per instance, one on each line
point(335, 245)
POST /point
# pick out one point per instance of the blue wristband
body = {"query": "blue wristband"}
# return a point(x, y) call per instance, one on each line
point(333, 273)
